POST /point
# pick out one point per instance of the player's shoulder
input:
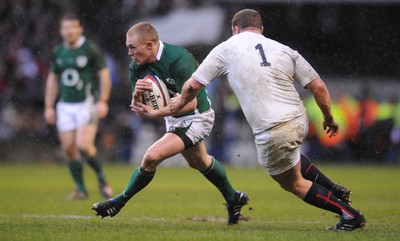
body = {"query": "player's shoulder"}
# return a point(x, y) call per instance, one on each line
point(91, 46)
point(173, 47)
point(58, 48)
point(276, 46)
point(276, 43)
point(172, 51)
point(249, 37)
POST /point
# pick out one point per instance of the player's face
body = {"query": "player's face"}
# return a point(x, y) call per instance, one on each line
point(70, 31)
point(139, 50)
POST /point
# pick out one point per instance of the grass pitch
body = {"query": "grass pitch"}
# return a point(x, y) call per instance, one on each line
point(180, 204)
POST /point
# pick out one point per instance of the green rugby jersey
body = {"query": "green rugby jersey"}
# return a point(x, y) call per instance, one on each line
point(175, 66)
point(77, 70)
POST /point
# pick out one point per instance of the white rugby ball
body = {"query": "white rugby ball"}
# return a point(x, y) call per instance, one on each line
point(158, 97)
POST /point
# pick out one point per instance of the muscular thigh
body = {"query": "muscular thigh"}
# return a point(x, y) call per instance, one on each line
point(67, 139)
point(167, 146)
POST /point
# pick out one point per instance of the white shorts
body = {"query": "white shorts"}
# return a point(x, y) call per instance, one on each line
point(278, 149)
point(70, 116)
point(193, 128)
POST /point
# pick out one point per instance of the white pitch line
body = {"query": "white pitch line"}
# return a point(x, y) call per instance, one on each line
point(56, 216)
point(45, 216)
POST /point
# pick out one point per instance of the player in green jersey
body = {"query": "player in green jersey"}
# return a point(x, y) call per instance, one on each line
point(185, 131)
point(76, 64)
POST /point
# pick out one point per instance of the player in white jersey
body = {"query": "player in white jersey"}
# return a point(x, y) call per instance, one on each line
point(262, 73)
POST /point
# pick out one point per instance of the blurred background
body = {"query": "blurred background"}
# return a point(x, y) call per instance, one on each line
point(353, 44)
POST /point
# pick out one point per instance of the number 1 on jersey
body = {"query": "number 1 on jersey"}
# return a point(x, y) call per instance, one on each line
point(264, 63)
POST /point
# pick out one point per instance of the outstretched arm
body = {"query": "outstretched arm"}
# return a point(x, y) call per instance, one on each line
point(323, 99)
point(189, 92)
point(50, 97)
point(105, 90)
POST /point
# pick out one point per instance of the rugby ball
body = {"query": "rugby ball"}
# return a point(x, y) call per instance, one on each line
point(158, 97)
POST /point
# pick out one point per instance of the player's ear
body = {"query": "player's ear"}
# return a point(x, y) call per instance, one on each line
point(81, 30)
point(235, 30)
point(149, 45)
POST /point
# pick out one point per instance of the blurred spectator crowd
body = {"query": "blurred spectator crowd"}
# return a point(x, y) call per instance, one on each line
point(369, 126)
point(370, 129)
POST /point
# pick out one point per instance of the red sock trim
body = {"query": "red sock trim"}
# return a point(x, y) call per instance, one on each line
point(308, 168)
point(328, 200)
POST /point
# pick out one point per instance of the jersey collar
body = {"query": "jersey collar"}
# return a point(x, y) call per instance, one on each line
point(160, 50)
point(78, 43)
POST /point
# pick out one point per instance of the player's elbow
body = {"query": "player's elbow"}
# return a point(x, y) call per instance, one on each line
point(316, 86)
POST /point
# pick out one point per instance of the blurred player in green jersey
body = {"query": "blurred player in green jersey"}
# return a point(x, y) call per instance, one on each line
point(74, 104)
point(185, 131)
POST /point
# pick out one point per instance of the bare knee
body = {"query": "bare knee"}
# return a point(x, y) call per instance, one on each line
point(151, 160)
point(71, 152)
point(87, 148)
point(290, 187)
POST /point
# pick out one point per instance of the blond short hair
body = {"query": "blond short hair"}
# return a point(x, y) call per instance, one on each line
point(144, 31)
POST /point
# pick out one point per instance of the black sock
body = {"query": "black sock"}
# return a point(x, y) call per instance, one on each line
point(311, 172)
point(319, 196)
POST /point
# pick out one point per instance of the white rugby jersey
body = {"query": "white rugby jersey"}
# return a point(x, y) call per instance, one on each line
point(261, 73)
